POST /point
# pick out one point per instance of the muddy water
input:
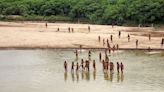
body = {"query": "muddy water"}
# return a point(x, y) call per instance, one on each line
point(42, 71)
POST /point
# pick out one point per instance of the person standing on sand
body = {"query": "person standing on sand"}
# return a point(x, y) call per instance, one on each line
point(103, 42)
point(69, 29)
point(136, 43)
point(89, 28)
point(58, 30)
point(117, 46)
point(111, 38)
point(122, 67)
point(149, 37)
point(119, 34)
point(65, 66)
point(162, 42)
point(72, 30)
point(128, 38)
point(46, 25)
point(99, 39)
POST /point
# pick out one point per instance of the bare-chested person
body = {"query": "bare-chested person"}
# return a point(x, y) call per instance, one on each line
point(77, 67)
point(100, 56)
point(114, 48)
point(76, 52)
point(122, 67)
point(103, 42)
point(99, 38)
point(111, 67)
point(89, 28)
point(111, 38)
point(72, 67)
point(128, 38)
point(118, 67)
point(94, 65)
point(65, 66)
point(162, 42)
point(58, 30)
point(72, 30)
point(87, 65)
point(108, 45)
point(149, 37)
point(89, 54)
point(46, 25)
point(119, 34)
point(69, 29)
point(136, 43)
point(103, 64)
point(82, 64)
point(117, 46)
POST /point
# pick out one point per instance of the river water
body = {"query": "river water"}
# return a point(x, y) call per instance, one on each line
point(42, 71)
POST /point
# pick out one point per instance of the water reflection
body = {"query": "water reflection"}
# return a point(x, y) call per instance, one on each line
point(120, 77)
point(85, 75)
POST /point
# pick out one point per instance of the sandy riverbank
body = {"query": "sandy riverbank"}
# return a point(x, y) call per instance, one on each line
point(36, 35)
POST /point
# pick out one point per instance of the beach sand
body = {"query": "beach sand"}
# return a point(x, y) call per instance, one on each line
point(36, 35)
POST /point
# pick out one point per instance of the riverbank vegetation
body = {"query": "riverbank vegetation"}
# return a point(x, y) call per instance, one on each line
point(91, 11)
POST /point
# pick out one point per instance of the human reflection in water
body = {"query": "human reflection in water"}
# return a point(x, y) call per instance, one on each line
point(82, 74)
point(94, 74)
point(118, 77)
point(122, 77)
point(65, 76)
point(87, 75)
point(77, 76)
point(111, 77)
point(106, 76)
point(73, 77)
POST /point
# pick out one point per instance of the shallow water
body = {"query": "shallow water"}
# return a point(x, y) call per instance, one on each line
point(42, 71)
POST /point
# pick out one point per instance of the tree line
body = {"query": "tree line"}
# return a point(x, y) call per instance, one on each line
point(92, 11)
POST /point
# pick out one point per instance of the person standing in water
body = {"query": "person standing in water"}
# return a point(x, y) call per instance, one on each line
point(82, 64)
point(72, 67)
point(119, 34)
point(122, 67)
point(128, 38)
point(89, 54)
point(77, 67)
point(94, 65)
point(100, 56)
point(118, 67)
point(76, 52)
point(65, 66)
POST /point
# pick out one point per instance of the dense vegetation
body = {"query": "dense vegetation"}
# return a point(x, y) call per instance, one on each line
point(93, 11)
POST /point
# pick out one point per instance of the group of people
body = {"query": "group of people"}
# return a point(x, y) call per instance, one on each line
point(85, 64)
point(69, 29)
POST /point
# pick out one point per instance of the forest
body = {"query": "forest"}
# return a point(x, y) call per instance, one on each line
point(90, 11)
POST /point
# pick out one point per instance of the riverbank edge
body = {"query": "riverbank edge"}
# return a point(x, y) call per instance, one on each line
point(32, 48)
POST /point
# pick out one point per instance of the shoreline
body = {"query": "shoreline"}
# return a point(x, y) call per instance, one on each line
point(43, 48)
